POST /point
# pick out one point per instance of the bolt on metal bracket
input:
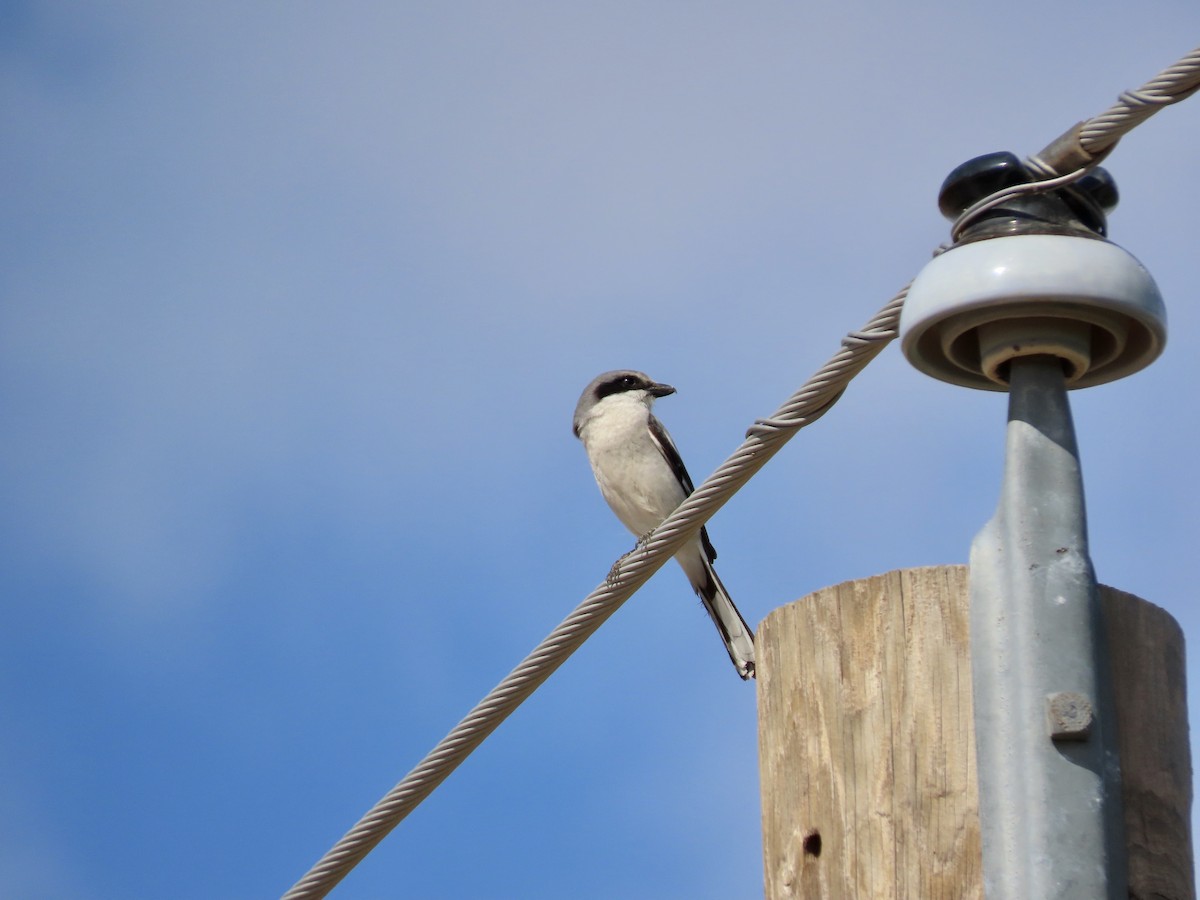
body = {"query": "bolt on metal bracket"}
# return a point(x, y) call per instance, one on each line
point(1069, 716)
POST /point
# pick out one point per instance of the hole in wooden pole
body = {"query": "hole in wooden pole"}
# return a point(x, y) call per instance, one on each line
point(812, 844)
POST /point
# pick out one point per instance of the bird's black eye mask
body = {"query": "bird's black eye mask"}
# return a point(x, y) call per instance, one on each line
point(619, 386)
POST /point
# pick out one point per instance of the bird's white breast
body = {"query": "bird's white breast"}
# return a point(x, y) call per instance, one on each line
point(632, 474)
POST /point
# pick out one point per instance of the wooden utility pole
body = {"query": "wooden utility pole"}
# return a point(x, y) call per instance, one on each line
point(867, 747)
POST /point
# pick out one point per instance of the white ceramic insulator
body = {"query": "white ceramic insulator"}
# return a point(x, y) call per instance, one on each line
point(976, 307)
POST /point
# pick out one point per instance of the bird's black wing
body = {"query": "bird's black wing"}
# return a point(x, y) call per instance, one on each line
point(666, 446)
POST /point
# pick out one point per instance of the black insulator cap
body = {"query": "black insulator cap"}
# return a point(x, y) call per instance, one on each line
point(1078, 208)
point(1099, 185)
point(978, 178)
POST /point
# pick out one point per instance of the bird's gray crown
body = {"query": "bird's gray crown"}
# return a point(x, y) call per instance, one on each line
point(617, 381)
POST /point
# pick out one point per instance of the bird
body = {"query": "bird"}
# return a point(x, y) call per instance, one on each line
point(642, 477)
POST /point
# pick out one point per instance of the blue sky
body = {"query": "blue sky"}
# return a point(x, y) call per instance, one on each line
point(296, 301)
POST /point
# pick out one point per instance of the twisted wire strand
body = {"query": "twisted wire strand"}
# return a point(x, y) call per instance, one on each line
point(630, 572)
point(1176, 82)
point(1087, 144)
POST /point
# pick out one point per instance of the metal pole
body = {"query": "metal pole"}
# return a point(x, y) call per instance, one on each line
point(1049, 775)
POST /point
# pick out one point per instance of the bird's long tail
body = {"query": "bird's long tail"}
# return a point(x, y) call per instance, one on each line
point(738, 638)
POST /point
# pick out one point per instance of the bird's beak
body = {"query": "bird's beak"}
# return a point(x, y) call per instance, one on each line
point(660, 390)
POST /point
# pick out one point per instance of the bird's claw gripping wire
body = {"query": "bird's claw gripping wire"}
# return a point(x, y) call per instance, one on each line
point(614, 574)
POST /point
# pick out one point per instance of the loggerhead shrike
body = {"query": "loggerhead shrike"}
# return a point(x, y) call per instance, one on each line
point(643, 479)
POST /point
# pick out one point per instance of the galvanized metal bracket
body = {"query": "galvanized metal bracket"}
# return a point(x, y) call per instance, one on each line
point(1045, 730)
